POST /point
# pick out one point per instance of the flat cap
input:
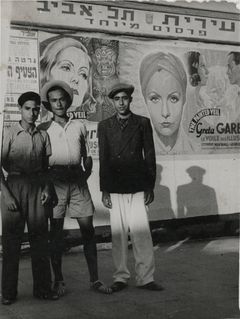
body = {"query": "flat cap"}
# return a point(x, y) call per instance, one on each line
point(120, 87)
point(55, 83)
point(29, 96)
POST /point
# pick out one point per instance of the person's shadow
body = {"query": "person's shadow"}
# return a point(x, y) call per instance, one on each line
point(196, 199)
point(161, 207)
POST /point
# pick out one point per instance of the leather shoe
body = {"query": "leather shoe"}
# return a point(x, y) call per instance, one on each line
point(49, 295)
point(118, 286)
point(152, 286)
point(7, 302)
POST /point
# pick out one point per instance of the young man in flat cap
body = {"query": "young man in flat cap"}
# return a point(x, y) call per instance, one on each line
point(69, 151)
point(25, 197)
point(127, 178)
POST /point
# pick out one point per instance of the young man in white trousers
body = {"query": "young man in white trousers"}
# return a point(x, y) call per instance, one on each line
point(127, 178)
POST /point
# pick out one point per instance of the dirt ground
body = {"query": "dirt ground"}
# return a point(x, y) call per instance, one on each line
point(200, 280)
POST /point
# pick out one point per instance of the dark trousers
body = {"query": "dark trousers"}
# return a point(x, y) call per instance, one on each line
point(27, 192)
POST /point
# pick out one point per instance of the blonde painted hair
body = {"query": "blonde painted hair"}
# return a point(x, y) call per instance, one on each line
point(50, 55)
point(155, 62)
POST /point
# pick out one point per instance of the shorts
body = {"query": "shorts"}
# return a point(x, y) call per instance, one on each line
point(77, 199)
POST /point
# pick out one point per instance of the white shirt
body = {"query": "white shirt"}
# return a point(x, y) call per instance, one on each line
point(67, 143)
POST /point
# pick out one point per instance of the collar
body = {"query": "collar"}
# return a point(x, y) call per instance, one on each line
point(123, 118)
point(63, 127)
point(20, 129)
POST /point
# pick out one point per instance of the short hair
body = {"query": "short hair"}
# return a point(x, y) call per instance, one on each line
point(56, 87)
point(29, 96)
point(236, 56)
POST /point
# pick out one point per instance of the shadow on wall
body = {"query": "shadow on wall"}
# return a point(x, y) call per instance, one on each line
point(196, 199)
point(161, 207)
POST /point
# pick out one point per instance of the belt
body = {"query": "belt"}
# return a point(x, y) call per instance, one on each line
point(65, 167)
point(33, 174)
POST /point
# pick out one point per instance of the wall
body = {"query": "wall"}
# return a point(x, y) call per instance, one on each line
point(214, 188)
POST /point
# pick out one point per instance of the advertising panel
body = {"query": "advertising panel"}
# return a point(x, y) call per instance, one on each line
point(120, 19)
point(189, 91)
point(23, 71)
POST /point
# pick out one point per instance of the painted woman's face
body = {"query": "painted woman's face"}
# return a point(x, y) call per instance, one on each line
point(73, 67)
point(203, 70)
point(164, 98)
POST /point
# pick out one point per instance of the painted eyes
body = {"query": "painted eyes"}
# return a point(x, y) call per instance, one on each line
point(69, 68)
point(154, 98)
point(65, 68)
point(172, 98)
point(84, 75)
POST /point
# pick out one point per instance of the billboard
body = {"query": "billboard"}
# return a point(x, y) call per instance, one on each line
point(188, 90)
point(203, 116)
point(22, 71)
point(120, 18)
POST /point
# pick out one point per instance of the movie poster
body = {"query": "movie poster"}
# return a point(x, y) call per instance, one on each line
point(89, 66)
point(189, 91)
point(22, 72)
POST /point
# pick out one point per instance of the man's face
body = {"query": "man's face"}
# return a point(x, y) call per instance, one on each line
point(29, 112)
point(233, 71)
point(122, 103)
point(59, 102)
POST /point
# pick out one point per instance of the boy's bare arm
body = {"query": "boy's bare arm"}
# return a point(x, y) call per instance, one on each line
point(88, 164)
point(87, 160)
point(9, 199)
point(46, 192)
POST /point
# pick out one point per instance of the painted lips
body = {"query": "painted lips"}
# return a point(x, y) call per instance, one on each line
point(165, 124)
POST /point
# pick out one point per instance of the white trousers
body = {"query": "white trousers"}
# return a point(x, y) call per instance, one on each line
point(129, 213)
